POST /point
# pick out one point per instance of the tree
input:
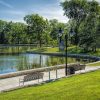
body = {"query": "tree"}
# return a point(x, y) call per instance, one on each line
point(84, 14)
point(4, 28)
point(55, 26)
point(88, 33)
point(75, 10)
point(16, 33)
point(37, 26)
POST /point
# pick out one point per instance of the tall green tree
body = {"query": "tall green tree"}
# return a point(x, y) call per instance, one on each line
point(37, 26)
point(84, 14)
point(88, 33)
point(75, 10)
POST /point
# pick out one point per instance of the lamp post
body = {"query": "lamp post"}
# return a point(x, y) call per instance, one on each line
point(71, 33)
point(66, 44)
point(61, 45)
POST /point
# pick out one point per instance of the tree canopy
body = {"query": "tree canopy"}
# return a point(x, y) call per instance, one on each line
point(84, 14)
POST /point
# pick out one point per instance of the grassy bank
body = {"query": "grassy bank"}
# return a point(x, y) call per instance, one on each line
point(53, 49)
point(46, 49)
point(73, 49)
point(94, 64)
point(79, 87)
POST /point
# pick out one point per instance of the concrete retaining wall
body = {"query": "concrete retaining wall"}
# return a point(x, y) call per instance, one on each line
point(20, 73)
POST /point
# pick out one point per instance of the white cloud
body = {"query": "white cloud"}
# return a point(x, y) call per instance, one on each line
point(13, 12)
point(61, 0)
point(57, 14)
point(5, 4)
point(52, 12)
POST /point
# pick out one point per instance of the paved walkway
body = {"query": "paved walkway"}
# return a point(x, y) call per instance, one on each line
point(11, 83)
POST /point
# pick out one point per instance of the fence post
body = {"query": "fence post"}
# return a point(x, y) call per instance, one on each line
point(38, 77)
point(56, 73)
point(49, 74)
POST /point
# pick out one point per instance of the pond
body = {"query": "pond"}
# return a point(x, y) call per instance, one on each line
point(23, 61)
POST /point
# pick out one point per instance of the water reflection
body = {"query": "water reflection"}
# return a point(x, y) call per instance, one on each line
point(13, 63)
point(17, 61)
point(14, 49)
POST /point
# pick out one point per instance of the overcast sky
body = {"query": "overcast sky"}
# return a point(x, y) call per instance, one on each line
point(15, 10)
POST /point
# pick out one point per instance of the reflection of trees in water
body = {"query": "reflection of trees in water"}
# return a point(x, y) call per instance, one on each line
point(39, 64)
point(22, 63)
point(51, 61)
point(47, 62)
point(30, 61)
point(40, 61)
point(14, 49)
point(35, 65)
point(61, 60)
point(71, 60)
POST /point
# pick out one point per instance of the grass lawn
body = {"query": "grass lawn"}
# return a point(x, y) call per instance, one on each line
point(79, 87)
point(46, 49)
point(71, 49)
point(94, 64)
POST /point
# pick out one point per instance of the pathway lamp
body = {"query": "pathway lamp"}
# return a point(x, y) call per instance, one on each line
point(61, 45)
point(71, 33)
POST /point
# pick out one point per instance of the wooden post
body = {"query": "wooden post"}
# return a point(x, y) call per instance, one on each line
point(56, 73)
point(49, 74)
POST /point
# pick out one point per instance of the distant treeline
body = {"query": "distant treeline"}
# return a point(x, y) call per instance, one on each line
point(37, 31)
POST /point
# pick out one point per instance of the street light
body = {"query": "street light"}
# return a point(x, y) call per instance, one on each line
point(61, 45)
point(71, 33)
point(66, 44)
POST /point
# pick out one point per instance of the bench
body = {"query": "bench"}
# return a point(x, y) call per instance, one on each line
point(30, 77)
point(73, 68)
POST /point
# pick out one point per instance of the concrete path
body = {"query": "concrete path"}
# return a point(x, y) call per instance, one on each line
point(13, 83)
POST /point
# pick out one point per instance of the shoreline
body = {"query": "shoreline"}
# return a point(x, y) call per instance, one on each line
point(69, 55)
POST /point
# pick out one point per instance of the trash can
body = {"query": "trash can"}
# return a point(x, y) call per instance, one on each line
point(71, 70)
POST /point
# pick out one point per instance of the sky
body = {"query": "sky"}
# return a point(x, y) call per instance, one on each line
point(15, 10)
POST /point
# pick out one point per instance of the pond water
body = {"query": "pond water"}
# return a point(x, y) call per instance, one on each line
point(23, 61)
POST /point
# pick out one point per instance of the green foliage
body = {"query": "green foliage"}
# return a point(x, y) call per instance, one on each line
point(37, 26)
point(46, 49)
point(79, 87)
point(88, 31)
point(75, 9)
point(12, 33)
point(85, 16)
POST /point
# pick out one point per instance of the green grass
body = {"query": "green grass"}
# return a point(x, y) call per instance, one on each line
point(79, 87)
point(72, 49)
point(46, 50)
point(94, 64)
point(97, 53)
